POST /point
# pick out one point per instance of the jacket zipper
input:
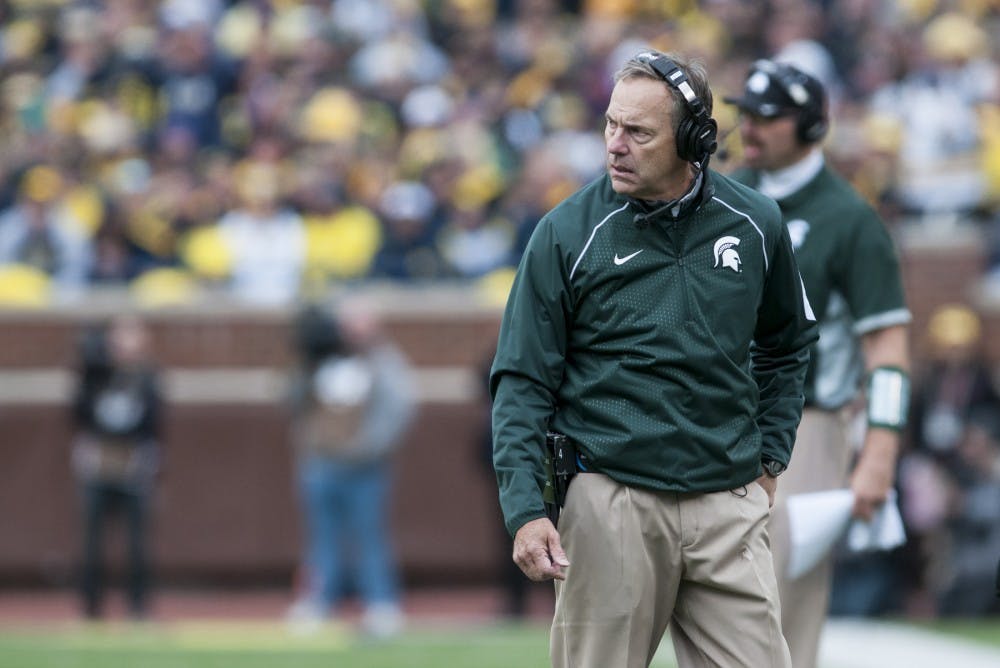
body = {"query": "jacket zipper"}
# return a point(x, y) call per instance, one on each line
point(675, 233)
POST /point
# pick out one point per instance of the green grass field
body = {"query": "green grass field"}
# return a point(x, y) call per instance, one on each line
point(984, 631)
point(269, 645)
point(220, 644)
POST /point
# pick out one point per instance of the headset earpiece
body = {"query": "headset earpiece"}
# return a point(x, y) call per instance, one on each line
point(810, 128)
point(811, 125)
point(697, 134)
point(697, 138)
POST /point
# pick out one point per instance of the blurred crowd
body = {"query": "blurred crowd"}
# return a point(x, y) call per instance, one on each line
point(275, 147)
point(948, 485)
point(950, 477)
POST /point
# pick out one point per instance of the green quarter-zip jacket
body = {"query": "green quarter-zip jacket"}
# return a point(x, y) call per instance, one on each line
point(673, 352)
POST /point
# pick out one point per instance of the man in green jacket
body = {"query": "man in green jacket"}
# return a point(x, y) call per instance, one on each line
point(852, 277)
point(658, 321)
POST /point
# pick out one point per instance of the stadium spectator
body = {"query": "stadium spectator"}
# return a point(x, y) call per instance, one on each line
point(973, 523)
point(263, 240)
point(193, 77)
point(936, 107)
point(352, 401)
point(41, 231)
point(954, 394)
point(954, 383)
point(411, 216)
point(473, 244)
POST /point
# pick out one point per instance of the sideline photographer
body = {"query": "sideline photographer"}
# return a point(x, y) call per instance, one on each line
point(116, 451)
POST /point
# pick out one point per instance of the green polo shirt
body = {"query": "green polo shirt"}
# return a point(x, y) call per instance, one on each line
point(851, 272)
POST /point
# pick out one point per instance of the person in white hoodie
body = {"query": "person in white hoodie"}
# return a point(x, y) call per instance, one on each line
point(352, 399)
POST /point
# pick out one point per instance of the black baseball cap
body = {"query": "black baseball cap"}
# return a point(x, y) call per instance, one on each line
point(775, 89)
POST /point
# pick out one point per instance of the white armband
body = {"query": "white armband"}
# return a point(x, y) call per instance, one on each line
point(888, 397)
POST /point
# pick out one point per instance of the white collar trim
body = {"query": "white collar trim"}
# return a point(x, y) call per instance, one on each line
point(783, 182)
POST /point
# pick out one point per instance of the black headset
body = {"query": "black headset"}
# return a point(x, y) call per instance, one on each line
point(811, 124)
point(697, 133)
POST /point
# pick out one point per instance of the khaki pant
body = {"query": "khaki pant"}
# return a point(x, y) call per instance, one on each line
point(820, 461)
point(641, 560)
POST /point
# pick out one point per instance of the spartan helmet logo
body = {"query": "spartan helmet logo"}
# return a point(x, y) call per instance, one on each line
point(726, 254)
point(797, 231)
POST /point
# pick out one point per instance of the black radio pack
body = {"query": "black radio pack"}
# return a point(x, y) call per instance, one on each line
point(560, 467)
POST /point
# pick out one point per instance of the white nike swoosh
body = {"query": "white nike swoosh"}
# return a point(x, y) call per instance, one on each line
point(623, 260)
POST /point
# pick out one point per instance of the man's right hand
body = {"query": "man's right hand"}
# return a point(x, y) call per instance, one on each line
point(538, 552)
point(770, 485)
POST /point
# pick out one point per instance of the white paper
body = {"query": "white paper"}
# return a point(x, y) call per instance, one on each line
point(817, 520)
point(884, 532)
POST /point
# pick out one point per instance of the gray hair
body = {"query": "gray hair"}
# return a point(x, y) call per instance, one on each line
point(638, 66)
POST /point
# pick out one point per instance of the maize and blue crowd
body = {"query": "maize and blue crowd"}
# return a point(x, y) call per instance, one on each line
point(275, 147)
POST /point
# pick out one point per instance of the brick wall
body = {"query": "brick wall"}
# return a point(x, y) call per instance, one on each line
point(226, 508)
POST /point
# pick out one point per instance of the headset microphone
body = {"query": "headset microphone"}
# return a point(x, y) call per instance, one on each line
point(641, 219)
point(675, 207)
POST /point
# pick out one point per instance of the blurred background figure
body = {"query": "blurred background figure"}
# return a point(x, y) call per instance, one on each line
point(39, 231)
point(116, 451)
point(265, 240)
point(973, 523)
point(937, 107)
point(955, 384)
point(353, 400)
point(950, 468)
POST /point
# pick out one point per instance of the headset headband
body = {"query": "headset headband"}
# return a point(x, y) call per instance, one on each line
point(674, 75)
point(789, 83)
point(696, 138)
